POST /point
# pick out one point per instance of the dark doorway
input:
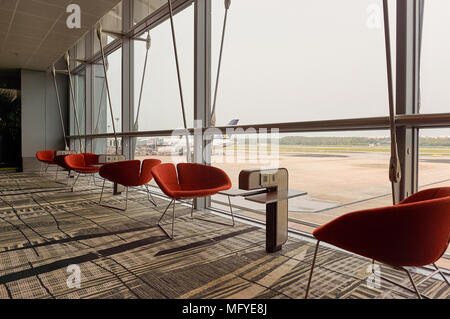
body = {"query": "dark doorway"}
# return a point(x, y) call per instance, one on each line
point(10, 121)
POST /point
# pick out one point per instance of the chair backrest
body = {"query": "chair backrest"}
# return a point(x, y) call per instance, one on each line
point(415, 232)
point(45, 156)
point(90, 159)
point(146, 170)
point(125, 173)
point(74, 161)
point(427, 194)
point(201, 176)
point(165, 176)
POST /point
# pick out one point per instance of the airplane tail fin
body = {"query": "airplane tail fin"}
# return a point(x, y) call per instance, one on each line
point(231, 123)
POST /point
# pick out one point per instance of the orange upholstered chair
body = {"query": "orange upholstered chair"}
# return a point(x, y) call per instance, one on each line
point(415, 232)
point(129, 174)
point(46, 159)
point(188, 181)
point(82, 164)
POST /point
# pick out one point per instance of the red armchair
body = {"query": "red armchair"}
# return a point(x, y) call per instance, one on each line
point(415, 232)
point(129, 174)
point(188, 181)
point(46, 159)
point(83, 164)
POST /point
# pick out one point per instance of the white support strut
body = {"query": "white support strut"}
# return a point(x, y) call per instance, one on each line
point(74, 102)
point(395, 169)
point(188, 152)
point(66, 147)
point(213, 111)
point(99, 35)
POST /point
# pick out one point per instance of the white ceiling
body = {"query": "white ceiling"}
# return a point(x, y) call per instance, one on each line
point(34, 34)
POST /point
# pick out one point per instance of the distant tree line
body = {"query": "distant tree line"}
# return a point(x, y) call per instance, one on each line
point(357, 141)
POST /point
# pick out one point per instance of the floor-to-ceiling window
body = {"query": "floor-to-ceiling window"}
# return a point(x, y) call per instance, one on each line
point(324, 60)
point(78, 108)
point(159, 106)
point(283, 62)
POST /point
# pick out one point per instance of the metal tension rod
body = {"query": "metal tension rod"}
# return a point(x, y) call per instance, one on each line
point(213, 112)
point(74, 102)
point(99, 35)
point(59, 108)
point(188, 152)
point(395, 170)
point(136, 123)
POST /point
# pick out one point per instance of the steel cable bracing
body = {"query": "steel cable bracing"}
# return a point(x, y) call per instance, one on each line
point(74, 102)
point(395, 169)
point(213, 111)
point(59, 108)
point(99, 35)
point(175, 50)
point(148, 43)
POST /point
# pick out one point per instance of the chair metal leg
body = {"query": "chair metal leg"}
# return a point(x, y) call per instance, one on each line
point(231, 210)
point(312, 269)
point(413, 283)
point(442, 274)
point(192, 208)
point(75, 181)
point(93, 178)
point(68, 177)
point(57, 169)
point(126, 198)
point(173, 219)
point(101, 194)
point(213, 221)
point(150, 197)
point(113, 207)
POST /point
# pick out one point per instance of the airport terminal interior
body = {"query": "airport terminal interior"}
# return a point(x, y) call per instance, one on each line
point(245, 149)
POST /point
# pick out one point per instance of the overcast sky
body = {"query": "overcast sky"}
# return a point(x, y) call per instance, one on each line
point(290, 60)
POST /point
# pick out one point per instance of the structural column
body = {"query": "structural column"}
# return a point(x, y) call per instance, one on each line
point(89, 76)
point(127, 78)
point(407, 91)
point(202, 83)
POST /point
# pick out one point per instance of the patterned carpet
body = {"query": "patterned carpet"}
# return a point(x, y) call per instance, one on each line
point(44, 228)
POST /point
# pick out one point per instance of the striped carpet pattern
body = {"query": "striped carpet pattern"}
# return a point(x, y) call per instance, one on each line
point(45, 228)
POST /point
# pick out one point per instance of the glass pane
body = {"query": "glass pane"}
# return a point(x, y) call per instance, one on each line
point(143, 8)
point(168, 149)
point(102, 117)
point(435, 66)
point(160, 106)
point(106, 145)
point(434, 159)
point(75, 145)
point(341, 171)
point(79, 87)
point(112, 21)
point(80, 48)
point(301, 60)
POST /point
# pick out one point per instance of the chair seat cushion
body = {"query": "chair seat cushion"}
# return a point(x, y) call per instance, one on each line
point(87, 169)
point(186, 191)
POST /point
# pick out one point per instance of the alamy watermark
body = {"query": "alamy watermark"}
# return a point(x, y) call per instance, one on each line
point(374, 16)
point(258, 147)
point(73, 20)
point(74, 279)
